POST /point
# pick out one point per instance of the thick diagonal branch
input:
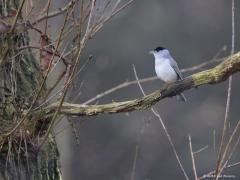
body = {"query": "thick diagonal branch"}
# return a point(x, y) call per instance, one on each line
point(211, 76)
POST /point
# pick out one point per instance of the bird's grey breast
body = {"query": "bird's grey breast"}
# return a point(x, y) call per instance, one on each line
point(164, 70)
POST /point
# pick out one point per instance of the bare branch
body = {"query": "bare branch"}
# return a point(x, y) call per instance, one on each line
point(211, 76)
point(148, 79)
point(55, 13)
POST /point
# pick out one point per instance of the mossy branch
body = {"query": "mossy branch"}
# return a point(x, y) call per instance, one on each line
point(211, 76)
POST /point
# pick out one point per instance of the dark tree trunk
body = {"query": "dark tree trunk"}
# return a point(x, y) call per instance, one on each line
point(20, 76)
point(33, 164)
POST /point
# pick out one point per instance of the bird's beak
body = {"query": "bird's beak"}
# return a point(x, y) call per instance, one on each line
point(151, 52)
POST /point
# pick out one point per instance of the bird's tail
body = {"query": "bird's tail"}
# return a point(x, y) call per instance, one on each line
point(181, 97)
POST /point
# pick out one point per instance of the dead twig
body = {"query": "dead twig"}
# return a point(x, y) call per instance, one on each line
point(164, 127)
point(192, 157)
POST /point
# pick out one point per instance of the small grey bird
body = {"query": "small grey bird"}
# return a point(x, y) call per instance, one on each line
point(166, 67)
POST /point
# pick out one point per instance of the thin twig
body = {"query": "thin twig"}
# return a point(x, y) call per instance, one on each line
point(207, 175)
point(17, 16)
point(135, 162)
point(46, 21)
point(55, 13)
point(214, 140)
point(100, 25)
point(200, 150)
point(41, 86)
point(71, 76)
point(90, 19)
point(164, 127)
point(192, 157)
point(59, 91)
point(6, 51)
point(63, 96)
point(69, 80)
point(75, 132)
point(225, 125)
point(45, 8)
point(43, 49)
point(54, 85)
point(237, 128)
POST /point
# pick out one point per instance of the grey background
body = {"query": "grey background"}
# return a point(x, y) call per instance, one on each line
point(194, 31)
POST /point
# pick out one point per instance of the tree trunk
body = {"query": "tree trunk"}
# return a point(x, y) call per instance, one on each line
point(20, 76)
point(33, 164)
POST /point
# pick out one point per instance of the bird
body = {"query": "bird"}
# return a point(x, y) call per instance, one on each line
point(166, 68)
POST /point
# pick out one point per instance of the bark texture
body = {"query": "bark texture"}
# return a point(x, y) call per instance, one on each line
point(20, 157)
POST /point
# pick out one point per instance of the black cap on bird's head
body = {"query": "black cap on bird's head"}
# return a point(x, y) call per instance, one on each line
point(159, 48)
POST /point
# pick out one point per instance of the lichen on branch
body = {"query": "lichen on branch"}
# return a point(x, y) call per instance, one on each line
point(211, 76)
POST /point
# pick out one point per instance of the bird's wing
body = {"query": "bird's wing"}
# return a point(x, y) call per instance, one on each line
point(176, 68)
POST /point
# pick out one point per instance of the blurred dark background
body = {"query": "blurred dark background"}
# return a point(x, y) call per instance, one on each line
point(194, 31)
